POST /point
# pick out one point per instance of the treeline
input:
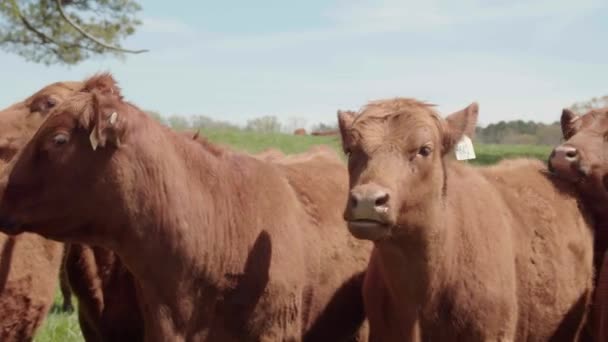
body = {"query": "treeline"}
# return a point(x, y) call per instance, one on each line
point(520, 132)
point(264, 124)
point(503, 132)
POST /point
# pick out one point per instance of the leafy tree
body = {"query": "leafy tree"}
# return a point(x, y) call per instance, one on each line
point(323, 127)
point(201, 121)
point(294, 123)
point(66, 31)
point(520, 132)
point(178, 122)
point(264, 124)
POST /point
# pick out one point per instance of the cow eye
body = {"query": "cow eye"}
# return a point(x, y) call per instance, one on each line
point(425, 151)
point(50, 103)
point(606, 137)
point(61, 139)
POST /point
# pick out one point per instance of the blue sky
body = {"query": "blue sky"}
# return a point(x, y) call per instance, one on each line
point(236, 60)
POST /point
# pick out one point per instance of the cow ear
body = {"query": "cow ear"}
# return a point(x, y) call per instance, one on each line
point(345, 121)
point(570, 122)
point(459, 124)
point(103, 83)
point(106, 124)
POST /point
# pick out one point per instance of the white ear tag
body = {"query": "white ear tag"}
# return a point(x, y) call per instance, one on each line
point(93, 139)
point(464, 149)
point(113, 118)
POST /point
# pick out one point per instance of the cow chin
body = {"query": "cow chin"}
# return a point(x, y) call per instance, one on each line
point(369, 230)
point(570, 173)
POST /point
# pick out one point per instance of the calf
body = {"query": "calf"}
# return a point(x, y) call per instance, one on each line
point(462, 253)
point(583, 160)
point(223, 246)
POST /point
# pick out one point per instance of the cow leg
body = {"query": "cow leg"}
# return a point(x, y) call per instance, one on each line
point(600, 303)
point(64, 283)
point(88, 332)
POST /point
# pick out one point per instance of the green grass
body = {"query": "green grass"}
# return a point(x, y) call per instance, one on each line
point(61, 327)
point(490, 154)
point(256, 142)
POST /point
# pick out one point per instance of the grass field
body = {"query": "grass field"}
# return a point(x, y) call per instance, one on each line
point(61, 327)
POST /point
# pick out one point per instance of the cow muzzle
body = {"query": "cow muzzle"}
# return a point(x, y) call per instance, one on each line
point(367, 212)
point(565, 162)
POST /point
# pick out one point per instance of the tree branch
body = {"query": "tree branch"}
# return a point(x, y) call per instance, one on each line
point(17, 12)
point(88, 35)
point(45, 38)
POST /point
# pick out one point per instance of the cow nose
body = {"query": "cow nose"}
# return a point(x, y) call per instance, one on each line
point(368, 202)
point(568, 153)
point(563, 156)
point(377, 199)
point(565, 160)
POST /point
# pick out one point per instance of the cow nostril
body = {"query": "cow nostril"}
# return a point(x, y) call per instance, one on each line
point(571, 153)
point(381, 200)
point(353, 201)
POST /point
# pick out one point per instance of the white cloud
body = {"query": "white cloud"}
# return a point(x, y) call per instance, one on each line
point(400, 15)
point(350, 18)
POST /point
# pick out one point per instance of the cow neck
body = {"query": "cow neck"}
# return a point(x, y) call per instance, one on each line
point(177, 226)
point(598, 205)
point(423, 252)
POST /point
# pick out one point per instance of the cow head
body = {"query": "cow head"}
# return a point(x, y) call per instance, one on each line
point(66, 160)
point(395, 152)
point(583, 157)
point(21, 120)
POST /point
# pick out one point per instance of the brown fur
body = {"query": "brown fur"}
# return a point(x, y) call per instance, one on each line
point(103, 286)
point(29, 264)
point(325, 133)
point(108, 310)
point(587, 135)
point(212, 259)
point(64, 282)
point(270, 154)
point(462, 253)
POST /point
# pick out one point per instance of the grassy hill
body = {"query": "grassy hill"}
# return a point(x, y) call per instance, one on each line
point(64, 327)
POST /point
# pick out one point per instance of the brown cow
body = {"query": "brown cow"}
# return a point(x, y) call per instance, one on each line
point(107, 309)
point(583, 159)
point(500, 253)
point(270, 154)
point(325, 133)
point(212, 259)
point(102, 285)
point(108, 306)
point(29, 264)
point(299, 131)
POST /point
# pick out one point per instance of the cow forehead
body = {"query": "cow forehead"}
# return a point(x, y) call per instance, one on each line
point(59, 88)
point(396, 130)
point(599, 120)
point(593, 123)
